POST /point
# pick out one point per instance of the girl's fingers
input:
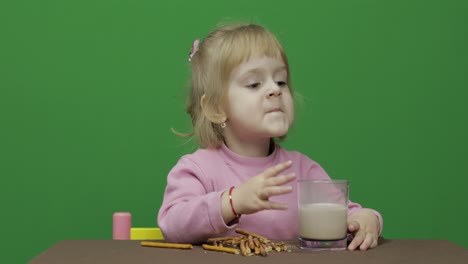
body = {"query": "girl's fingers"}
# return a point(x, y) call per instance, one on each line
point(367, 242)
point(375, 242)
point(274, 190)
point(275, 206)
point(353, 226)
point(358, 239)
point(280, 180)
point(277, 169)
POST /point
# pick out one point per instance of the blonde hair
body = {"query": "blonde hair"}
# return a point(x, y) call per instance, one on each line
point(218, 55)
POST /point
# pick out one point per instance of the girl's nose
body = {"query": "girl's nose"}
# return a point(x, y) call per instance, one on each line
point(275, 90)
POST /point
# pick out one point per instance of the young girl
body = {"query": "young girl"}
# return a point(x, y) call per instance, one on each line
point(241, 103)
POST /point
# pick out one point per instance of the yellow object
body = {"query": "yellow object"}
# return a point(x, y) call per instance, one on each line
point(146, 233)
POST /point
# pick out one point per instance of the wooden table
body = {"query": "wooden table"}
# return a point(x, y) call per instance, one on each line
point(389, 251)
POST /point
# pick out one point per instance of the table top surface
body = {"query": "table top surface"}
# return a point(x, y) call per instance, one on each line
point(112, 251)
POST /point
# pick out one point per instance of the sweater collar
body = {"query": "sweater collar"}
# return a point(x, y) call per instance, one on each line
point(235, 159)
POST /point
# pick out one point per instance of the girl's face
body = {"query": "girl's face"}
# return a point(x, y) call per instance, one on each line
point(260, 105)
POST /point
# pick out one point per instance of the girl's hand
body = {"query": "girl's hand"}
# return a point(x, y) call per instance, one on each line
point(253, 195)
point(364, 226)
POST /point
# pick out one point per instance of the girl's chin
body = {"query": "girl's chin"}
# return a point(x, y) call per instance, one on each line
point(279, 133)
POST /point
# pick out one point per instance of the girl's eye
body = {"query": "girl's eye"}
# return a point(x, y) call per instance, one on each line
point(282, 83)
point(253, 85)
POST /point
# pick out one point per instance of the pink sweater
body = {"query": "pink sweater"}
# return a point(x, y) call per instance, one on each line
point(191, 209)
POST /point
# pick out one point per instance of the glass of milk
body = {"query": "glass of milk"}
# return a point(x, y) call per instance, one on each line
point(323, 213)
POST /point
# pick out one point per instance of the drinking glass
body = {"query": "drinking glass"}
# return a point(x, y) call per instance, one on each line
point(323, 213)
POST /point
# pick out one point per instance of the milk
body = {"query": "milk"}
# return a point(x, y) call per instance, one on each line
point(323, 221)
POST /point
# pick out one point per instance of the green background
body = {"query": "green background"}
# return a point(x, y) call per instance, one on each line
point(90, 89)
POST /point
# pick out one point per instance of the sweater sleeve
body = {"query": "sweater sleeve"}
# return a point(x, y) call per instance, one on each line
point(190, 212)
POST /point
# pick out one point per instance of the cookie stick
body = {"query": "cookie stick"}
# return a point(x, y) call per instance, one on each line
point(166, 245)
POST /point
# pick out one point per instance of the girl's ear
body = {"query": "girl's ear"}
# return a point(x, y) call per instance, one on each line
point(214, 114)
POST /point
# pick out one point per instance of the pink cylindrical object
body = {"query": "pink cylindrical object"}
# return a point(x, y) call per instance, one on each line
point(121, 225)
